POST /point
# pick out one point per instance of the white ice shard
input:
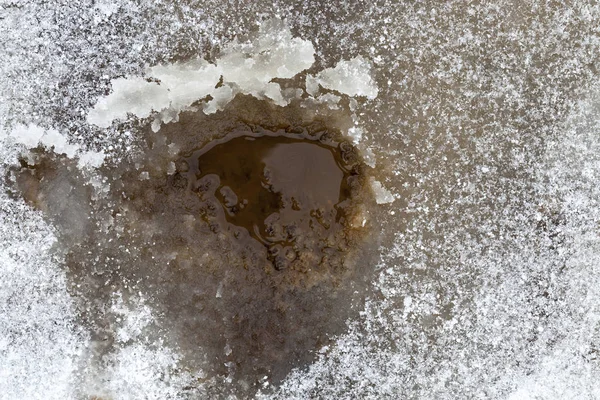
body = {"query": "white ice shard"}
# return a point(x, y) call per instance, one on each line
point(330, 99)
point(32, 136)
point(350, 77)
point(174, 86)
point(274, 54)
point(382, 195)
point(91, 159)
point(247, 68)
point(186, 82)
point(220, 97)
point(312, 85)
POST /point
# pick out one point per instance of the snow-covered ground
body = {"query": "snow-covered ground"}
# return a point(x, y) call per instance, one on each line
point(481, 121)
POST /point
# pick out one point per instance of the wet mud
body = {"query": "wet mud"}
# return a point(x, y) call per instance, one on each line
point(248, 233)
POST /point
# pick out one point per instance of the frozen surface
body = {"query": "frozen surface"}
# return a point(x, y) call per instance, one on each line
point(485, 125)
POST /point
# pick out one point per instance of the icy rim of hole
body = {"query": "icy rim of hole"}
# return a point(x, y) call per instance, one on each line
point(247, 68)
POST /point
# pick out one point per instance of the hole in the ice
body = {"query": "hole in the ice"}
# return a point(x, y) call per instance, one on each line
point(291, 192)
point(244, 230)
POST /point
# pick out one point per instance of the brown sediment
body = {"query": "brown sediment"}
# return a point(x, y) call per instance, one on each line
point(244, 230)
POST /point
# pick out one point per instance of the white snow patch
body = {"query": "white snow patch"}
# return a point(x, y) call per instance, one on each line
point(32, 136)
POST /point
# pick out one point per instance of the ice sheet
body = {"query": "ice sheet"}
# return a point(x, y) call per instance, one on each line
point(500, 267)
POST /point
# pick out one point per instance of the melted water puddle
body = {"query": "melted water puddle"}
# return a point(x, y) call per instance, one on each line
point(284, 192)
